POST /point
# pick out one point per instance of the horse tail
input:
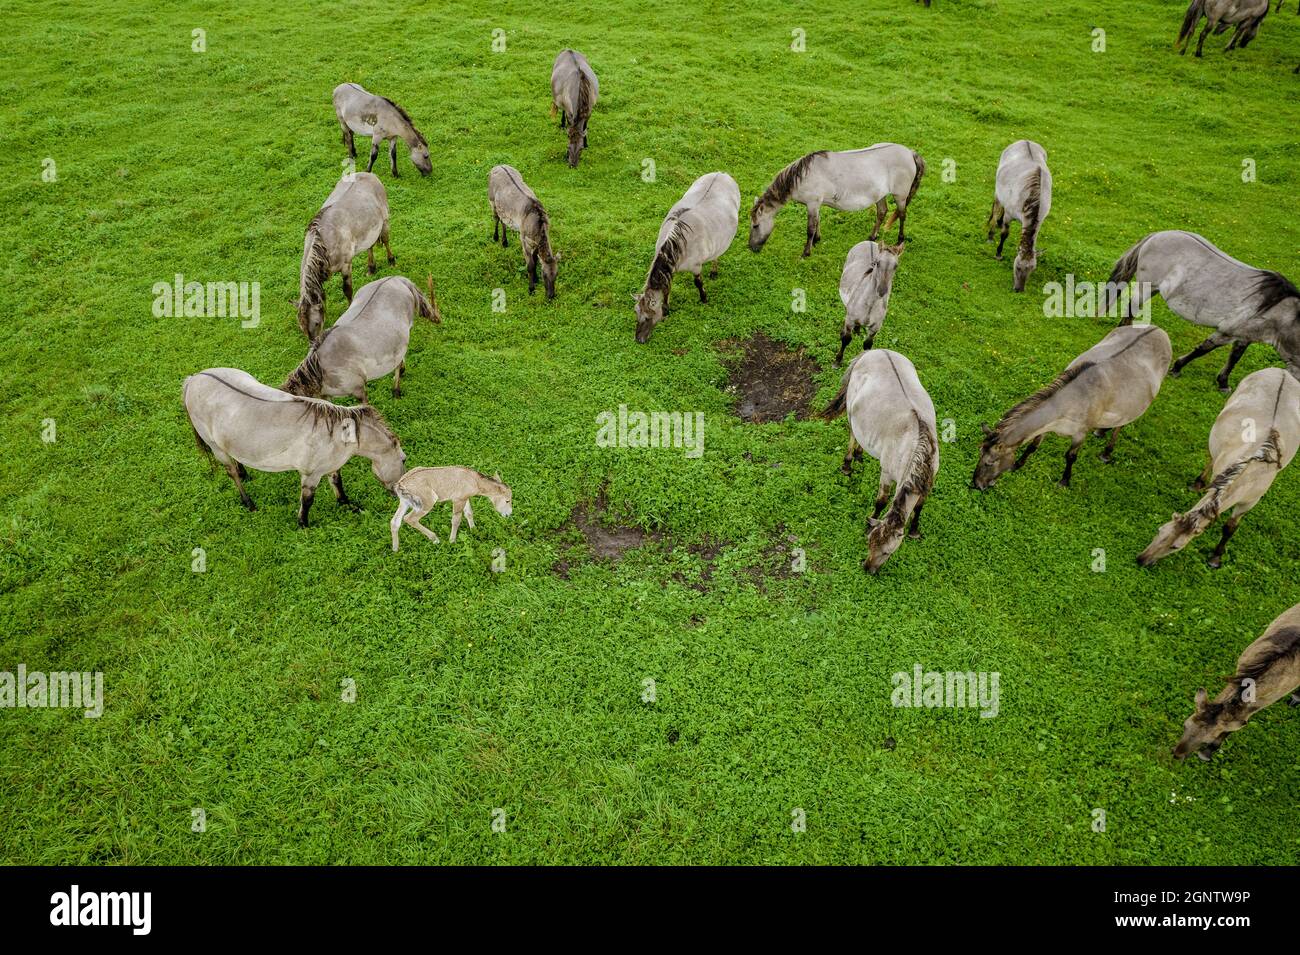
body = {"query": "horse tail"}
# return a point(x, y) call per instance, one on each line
point(839, 404)
point(1121, 274)
point(427, 307)
point(916, 184)
point(1195, 10)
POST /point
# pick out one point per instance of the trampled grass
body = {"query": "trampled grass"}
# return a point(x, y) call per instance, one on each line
point(522, 691)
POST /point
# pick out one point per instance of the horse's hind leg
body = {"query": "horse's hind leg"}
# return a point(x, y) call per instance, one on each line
point(846, 336)
point(392, 155)
point(882, 209)
point(370, 261)
point(413, 520)
point(1203, 479)
point(496, 224)
point(1238, 349)
point(350, 142)
point(469, 514)
point(236, 472)
point(699, 284)
point(814, 227)
point(1204, 348)
point(395, 524)
point(305, 497)
point(900, 210)
point(374, 154)
point(383, 237)
point(851, 454)
point(1200, 44)
point(397, 378)
point(347, 282)
point(713, 269)
point(457, 512)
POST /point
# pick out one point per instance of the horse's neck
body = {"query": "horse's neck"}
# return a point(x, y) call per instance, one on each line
point(1034, 421)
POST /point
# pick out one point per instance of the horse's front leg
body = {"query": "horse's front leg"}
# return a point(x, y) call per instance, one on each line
point(532, 273)
point(882, 209)
point(340, 495)
point(306, 496)
point(1200, 44)
point(352, 145)
point(814, 224)
point(383, 237)
point(995, 216)
point(397, 379)
point(392, 155)
point(699, 285)
point(370, 261)
point(1006, 228)
point(1070, 456)
point(374, 154)
point(1030, 448)
point(1230, 528)
point(1238, 349)
point(846, 336)
point(347, 282)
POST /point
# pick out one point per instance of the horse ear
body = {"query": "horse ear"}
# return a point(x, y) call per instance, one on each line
point(898, 249)
point(1201, 698)
point(988, 432)
point(497, 477)
point(873, 522)
point(433, 303)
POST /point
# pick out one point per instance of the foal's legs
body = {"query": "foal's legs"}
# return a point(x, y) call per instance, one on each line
point(995, 216)
point(236, 472)
point(1204, 348)
point(882, 209)
point(699, 284)
point(306, 496)
point(1238, 349)
point(457, 511)
point(469, 514)
point(413, 520)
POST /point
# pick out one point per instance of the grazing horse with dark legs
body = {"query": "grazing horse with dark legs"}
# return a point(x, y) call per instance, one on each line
point(574, 91)
point(1023, 193)
point(865, 284)
point(515, 206)
point(354, 217)
point(850, 181)
point(1108, 386)
point(1208, 287)
point(697, 230)
point(367, 342)
point(241, 422)
point(891, 417)
point(363, 113)
point(1219, 15)
point(1253, 439)
point(1267, 670)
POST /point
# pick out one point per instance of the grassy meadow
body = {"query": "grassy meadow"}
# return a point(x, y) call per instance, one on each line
point(518, 697)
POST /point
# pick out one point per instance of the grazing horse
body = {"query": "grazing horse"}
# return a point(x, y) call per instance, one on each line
point(1219, 15)
point(698, 229)
point(850, 181)
point(421, 488)
point(1108, 386)
point(381, 119)
point(891, 417)
point(1023, 193)
point(1206, 286)
point(865, 284)
point(574, 91)
point(515, 206)
point(1253, 439)
point(241, 422)
point(367, 342)
point(354, 217)
point(1267, 670)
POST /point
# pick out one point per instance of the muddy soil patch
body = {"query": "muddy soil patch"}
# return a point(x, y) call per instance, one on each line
point(770, 380)
point(604, 537)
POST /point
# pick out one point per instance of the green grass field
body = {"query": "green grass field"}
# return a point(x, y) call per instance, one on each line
point(522, 691)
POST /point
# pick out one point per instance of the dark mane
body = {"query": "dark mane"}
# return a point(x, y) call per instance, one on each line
point(789, 177)
point(670, 253)
point(307, 378)
point(315, 271)
point(1270, 452)
point(402, 113)
point(1272, 288)
point(1283, 646)
point(584, 97)
point(1038, 397)
point(332, 415)
point(1032, 212)
point(920, 476)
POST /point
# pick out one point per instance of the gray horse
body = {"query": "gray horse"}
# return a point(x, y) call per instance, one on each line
point(891, 417)
point(1108, 386)
point(241, 422)
point(574, 91)
point(1219, 15)
point(367, 342)
point(850, 181)
point(1023, 193)
point(1253, 439)
point(1207, 287)
point(515, 206)
point(865, 284)
point(698, 229)
point(354, 217)
point(1267, 670)
point(364, 113)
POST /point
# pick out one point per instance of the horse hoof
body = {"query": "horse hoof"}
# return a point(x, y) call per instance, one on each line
point(1224, 390)
point(1214, 563)
point(1063, 483)
point(1106, 459)
point(918, 536)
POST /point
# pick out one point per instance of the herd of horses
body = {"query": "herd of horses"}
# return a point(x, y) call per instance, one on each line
point(243, 423)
